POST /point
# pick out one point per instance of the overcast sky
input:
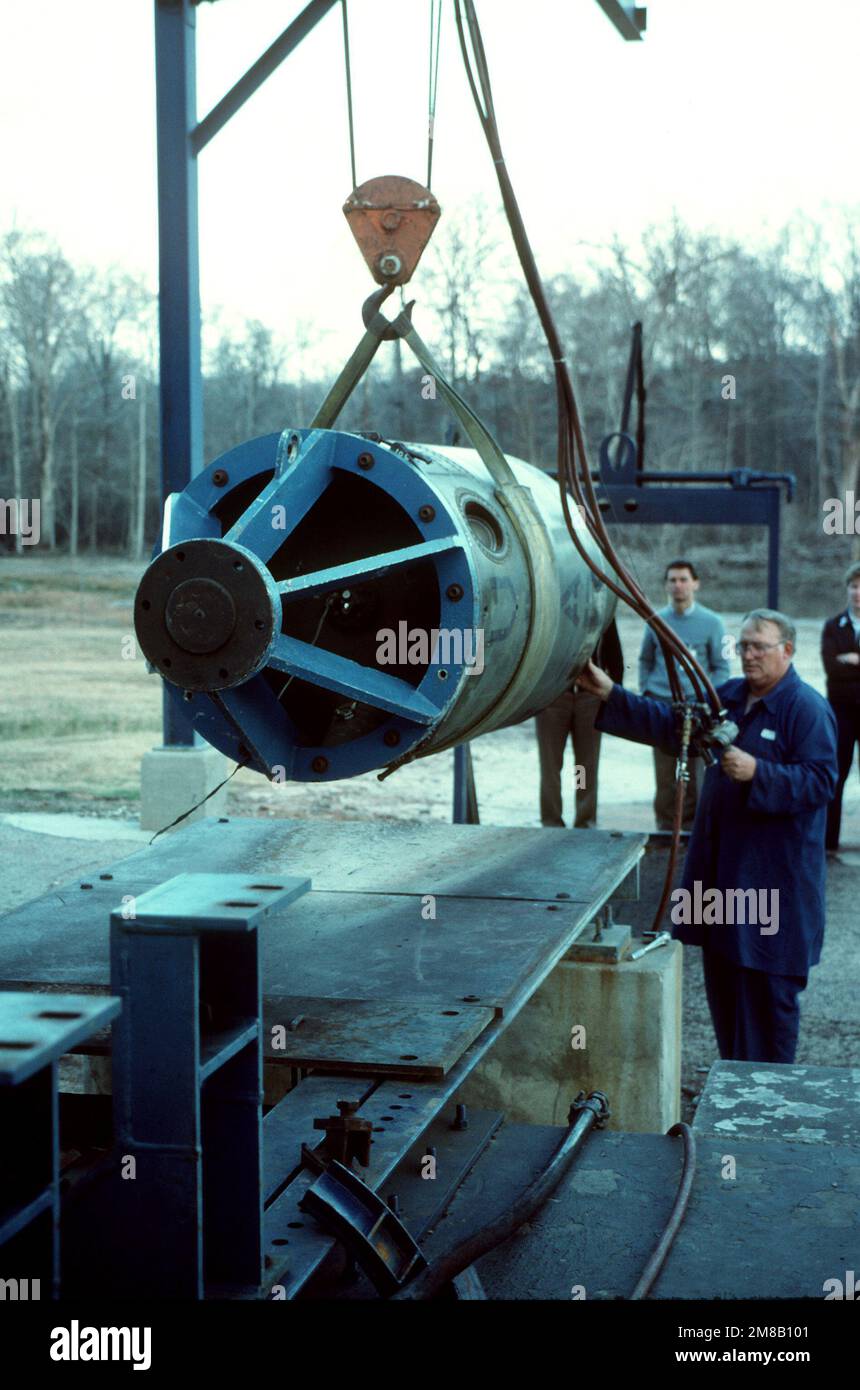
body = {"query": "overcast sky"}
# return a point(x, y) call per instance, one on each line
point(737, 113)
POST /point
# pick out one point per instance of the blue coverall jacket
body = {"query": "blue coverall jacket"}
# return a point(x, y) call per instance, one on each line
point(764, 834)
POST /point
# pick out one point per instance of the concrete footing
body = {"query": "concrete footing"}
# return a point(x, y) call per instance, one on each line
point(172, 780)
point(606, 1027)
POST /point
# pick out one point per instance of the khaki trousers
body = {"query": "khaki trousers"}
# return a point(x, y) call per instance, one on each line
point(572, 714)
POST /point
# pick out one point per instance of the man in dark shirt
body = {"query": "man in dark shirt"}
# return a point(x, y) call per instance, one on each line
point(757, 842)
point(840, 653)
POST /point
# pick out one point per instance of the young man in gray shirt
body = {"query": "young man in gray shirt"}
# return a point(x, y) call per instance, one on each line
point(702, 631)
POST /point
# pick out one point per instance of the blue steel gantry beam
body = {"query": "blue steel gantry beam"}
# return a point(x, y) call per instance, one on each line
point(180, 138)
point(629, 20)
point(745, 498)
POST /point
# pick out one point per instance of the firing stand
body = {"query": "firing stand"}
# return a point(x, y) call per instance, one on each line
point(409, 972)
point(384, 987)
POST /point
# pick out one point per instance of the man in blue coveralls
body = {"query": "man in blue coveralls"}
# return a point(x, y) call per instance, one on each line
point(753, 883)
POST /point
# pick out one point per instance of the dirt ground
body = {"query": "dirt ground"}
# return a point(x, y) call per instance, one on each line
point(77, 712)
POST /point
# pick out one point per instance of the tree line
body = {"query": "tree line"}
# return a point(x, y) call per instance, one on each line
point(752, 360)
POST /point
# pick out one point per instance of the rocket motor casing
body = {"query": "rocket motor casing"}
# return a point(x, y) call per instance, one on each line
point(323, 605)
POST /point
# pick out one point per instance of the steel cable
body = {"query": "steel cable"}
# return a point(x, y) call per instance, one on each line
point(348, 91)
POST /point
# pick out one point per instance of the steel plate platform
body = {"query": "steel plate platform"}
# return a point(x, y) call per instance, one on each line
point(453, 927)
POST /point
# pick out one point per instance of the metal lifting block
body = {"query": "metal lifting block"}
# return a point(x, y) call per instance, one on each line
point(187, 1081)
point(35, 1031)
point(392, 219)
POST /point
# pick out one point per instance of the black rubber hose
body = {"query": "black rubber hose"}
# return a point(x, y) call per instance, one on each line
point(584, 1115)
point(570, 442)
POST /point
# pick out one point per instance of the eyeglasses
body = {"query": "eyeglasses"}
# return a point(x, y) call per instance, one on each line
point(757, 648)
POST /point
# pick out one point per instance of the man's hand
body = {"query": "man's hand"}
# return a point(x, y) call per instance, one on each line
point(849, 658)
point(595, 682)
point(739, 766)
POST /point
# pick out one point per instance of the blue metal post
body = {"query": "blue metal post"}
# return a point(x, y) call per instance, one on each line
point(629, 20)
point(179, 140)
point(187, 1083)
point(256, 75)
point(751, 499)
point(773, 550)
point(465, 793)
point(178, 273)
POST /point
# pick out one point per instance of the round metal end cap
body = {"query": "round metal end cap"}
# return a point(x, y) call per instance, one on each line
point(206, 614)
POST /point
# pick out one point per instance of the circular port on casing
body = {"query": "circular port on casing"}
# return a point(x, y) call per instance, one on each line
point(484, 527)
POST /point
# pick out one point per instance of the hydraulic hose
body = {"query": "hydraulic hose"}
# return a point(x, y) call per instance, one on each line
point(676, 1216)
point(584, 1115)
point(571, 444)
point(574, 470)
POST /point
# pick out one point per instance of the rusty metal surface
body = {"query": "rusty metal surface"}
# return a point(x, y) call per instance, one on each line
point(392, 219)
point(468, 861)
point(418, 953)
point(370, 1035)
point(400, 1111)
point(349, 1036)
point(327, 944)
point(290, 1123)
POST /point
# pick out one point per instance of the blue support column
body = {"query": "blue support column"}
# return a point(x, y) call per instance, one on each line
point(773, 550)
point(187, 1084)
point(179, 140)
point(465, 794)
point(178, 272)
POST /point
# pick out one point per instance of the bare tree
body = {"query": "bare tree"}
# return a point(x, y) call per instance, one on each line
point(40, 299)
point(114, 326)
point(463, 274)
point(11, 390)
point(252, 363)
point(842, 307)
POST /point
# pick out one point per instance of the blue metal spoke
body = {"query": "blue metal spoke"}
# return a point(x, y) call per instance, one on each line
point(296, 488)
point(260, 722)
point(359, 571)
point(345, 677)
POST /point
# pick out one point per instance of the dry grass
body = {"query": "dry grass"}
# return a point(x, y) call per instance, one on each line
point(76, 715)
